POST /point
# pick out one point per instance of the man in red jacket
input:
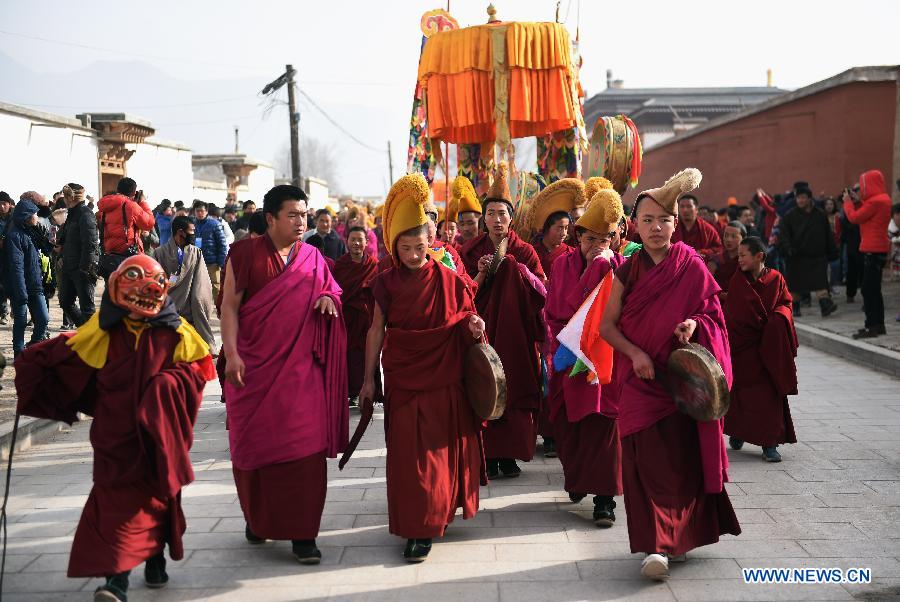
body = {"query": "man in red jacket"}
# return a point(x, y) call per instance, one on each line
point(122, 217)
point(870, 209)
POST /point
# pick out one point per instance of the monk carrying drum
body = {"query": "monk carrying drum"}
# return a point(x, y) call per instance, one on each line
point(425, 317)
point(673, 467)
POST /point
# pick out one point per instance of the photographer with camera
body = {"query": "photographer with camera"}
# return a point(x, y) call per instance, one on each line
point(121, 218)
point(78, 242)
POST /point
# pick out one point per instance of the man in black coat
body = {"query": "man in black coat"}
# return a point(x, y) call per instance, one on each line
point(808, 245)
point(80, 246)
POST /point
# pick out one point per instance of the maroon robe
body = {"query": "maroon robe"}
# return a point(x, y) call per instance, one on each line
point(434, 454)
point(673, 467)
point(547, 257)
point(587, 435)
point(703, 237)
point(726, 267)
point(511, 308)
point(763, 348)
point(285, 500)
point(355, 280)
point(144, 407)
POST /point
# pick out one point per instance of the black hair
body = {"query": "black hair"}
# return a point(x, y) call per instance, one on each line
point(722, 211)
point(895, 208)
point(179, 204)
point(276, 197)
point(553, 218)
point(421, 230)
point(257, 223)
point(320, 213)
point(126, 186)
point(198, 203)
point(805, 191)
point(5, 198)
point(247, 204)
point(59, 204)
point(740, 226)
point(180, 224)
point(755, 245)
point(213, 209)
point(690, 196)
point(800, 184)
point(356, 229)
point(488, 200)
point(75, 187)
point(461, 213)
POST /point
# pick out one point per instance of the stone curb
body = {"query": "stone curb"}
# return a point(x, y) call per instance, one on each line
point(31, 432)
point(860, 352)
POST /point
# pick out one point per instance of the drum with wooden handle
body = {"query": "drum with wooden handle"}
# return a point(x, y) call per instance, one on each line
point(485, 381)
point(697, 383)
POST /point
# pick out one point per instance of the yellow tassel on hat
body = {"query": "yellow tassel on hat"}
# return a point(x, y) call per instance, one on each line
point(404, 208)
point(499, 189)
point(463, 198)
point(595, 185)
point(563, 195)
point(604, 212)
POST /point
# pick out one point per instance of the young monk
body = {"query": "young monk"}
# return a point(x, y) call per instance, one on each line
point(763, 348)
point(551, 216)
point(673, 468)
point(511, 305)
point(724, 265)
point(354, 273)
point(584, 414)
point(286, 372)
point(468, 210)
point(139, 370)
point(425, 320)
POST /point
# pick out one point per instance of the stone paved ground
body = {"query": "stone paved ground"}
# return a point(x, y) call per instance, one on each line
point(834, 501)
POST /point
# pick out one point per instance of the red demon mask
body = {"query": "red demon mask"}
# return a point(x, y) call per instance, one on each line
point(139, 285)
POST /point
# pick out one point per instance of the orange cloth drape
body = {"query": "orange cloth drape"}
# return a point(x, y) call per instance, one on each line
point(456, 72)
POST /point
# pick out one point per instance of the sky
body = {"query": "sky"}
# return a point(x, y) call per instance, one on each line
point(357, 59)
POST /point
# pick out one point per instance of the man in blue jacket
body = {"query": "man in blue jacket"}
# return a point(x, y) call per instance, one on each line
point(22, 276)
point(210, 237)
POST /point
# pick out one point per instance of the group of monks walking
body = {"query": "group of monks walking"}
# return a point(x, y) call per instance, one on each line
point(302, 335)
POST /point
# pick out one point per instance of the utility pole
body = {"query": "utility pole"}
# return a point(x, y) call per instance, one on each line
point(237, 144)
point(390, 164)
point(296, 180)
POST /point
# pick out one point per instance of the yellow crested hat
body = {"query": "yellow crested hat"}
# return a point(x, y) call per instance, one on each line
point(463, 198)
point(563, 195)
point(594, 185)
point(604, 212)
point(667, 195)
point(499, 190)
point(404, 208)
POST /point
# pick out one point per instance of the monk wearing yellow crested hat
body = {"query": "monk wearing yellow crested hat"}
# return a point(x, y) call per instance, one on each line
point(425, 320)
point(467, 209)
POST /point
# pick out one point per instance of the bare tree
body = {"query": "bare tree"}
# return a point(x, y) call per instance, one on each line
point(317, 159)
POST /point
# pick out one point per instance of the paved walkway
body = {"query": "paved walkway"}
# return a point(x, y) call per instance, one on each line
point(834, 501)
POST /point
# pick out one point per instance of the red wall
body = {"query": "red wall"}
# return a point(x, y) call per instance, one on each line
point(827, 139)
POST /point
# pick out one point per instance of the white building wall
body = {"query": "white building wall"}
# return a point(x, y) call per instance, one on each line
point(162, 171)
point(259, 182)
point(209, 192)
point(44, 155)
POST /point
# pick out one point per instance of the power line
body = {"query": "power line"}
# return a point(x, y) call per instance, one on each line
point(186, 123)
point(141, 107)
point(122, 51)
point(338, 125)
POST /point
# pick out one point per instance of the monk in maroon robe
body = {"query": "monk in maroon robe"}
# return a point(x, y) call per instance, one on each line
point(354, 272)
point(763, 348)
point(584, 414)
point(425, 322)
point(139, 370)
point(550, 245)
point(286, 373)
point(511, 304)
point(696, 233)
point(724, 265)
point(673, 467)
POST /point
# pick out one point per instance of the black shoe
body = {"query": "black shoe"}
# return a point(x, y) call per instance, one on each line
point(305, 551)
point(354, 402)
point(867, 333)
point(417, 550)
point(114, 590)
point(576, 497)
point(252, 537)
point(509, 468)
point(735, 443)
point(770, 454)
point(155, 575)
point(549, 447)
point(827, 306)
point(493, 469)
point(603, 511)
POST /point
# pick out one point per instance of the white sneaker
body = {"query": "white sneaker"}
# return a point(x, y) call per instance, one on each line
point(655, 567)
